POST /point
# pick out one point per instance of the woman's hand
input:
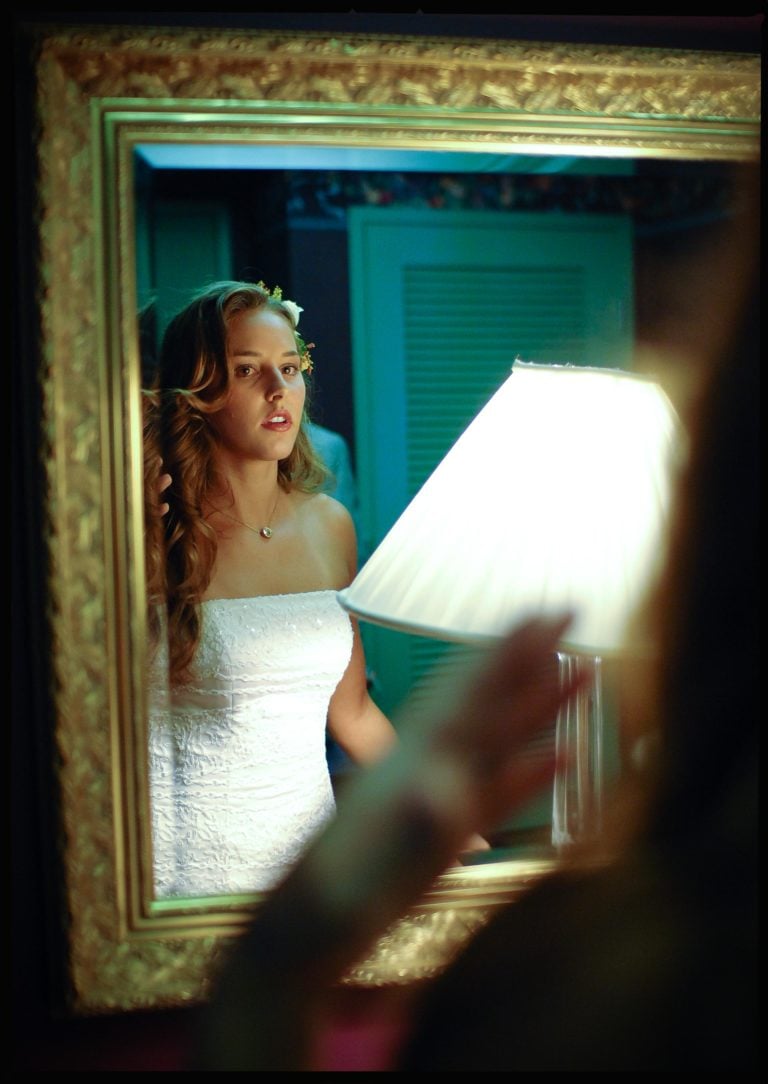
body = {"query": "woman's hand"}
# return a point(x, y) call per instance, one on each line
point(485, 727)
point(163, 482)
point(475, 843)
point(156, 482)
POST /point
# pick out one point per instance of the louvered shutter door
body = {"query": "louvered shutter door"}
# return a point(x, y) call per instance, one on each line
point(442, 302)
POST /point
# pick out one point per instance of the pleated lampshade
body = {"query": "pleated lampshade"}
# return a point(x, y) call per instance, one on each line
point(554, 498)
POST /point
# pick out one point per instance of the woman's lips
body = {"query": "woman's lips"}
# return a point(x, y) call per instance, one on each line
point(279, 422)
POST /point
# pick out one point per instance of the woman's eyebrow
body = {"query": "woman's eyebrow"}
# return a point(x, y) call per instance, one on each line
point(258, 354)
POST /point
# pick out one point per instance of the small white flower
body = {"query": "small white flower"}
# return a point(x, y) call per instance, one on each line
point(294, 310)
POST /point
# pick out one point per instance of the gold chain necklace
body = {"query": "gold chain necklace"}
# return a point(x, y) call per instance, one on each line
point(264, 532)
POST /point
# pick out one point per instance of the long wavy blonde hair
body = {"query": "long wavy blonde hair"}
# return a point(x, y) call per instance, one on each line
point(190, 385)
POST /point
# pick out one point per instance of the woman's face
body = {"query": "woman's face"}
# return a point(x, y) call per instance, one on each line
point(262, 413)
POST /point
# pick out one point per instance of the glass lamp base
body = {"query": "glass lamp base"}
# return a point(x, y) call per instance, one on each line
point(577, 807)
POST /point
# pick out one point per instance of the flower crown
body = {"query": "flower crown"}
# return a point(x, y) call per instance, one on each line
point(306, 364)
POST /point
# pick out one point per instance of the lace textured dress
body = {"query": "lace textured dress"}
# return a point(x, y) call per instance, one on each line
point(239, 781)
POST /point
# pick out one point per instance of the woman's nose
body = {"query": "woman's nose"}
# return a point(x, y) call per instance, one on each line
point(276, 385)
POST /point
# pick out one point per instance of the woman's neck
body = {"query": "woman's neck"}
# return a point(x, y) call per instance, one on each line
point(250, 492)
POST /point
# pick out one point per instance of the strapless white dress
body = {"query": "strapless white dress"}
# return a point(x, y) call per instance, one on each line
point(239, 780)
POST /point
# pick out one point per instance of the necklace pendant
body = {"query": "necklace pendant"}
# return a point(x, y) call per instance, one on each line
point(265, 532)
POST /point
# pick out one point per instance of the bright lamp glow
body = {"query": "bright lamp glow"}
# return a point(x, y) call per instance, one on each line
point(554, 498)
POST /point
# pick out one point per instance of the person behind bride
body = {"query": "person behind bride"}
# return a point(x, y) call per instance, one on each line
point(639, 951)
point(245, 555)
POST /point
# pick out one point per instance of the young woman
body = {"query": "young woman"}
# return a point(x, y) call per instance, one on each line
point(244, 563)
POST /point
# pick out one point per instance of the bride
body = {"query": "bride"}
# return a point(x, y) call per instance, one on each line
point(254, 655)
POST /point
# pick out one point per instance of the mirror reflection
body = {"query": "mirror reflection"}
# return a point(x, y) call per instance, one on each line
point(420, 278)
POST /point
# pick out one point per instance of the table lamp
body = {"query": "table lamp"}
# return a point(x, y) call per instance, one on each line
point(554, 499)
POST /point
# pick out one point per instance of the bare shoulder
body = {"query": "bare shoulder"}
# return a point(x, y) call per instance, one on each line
point(323, 517)
point(326, 512)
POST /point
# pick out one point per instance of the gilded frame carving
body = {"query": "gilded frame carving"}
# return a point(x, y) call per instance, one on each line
point(99, 92)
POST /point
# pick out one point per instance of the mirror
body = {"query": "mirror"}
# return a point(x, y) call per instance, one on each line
point(544, 257)
point(102, 95)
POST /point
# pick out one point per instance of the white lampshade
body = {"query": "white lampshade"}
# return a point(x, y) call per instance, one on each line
point(554, 498)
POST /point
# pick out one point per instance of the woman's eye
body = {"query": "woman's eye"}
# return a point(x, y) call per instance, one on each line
point(290, 370)
point(245, 370)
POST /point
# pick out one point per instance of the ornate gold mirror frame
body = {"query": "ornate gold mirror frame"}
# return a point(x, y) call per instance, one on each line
point(102, 91)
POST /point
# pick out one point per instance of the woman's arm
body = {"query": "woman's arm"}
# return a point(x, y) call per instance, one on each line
point(355, 721)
